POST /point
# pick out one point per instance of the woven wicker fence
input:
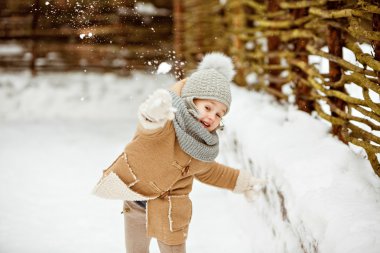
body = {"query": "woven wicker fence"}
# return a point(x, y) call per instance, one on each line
point(275, 43)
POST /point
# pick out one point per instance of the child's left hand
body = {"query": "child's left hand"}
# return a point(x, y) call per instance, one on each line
point(249, 185)
point(255, 186)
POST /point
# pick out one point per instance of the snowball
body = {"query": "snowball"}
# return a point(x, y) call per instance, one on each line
point(164, 68)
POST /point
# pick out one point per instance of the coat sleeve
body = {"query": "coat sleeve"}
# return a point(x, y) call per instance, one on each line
point(219, 175)
point(157, 134)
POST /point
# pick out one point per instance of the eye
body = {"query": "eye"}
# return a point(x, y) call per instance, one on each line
point(207, 107)
point(218, 115)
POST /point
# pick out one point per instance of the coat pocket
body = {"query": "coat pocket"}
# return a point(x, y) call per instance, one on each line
point(180, 212)
point(121, 167)
point(117, 181)
point(112, 187)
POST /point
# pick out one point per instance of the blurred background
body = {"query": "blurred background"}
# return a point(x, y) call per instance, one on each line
point(69, 35)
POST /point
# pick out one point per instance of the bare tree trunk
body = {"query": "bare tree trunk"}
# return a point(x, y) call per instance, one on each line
point(36, 14)
point(274, 45)
point(302, 92)
point(335, 45)
point(178, 31)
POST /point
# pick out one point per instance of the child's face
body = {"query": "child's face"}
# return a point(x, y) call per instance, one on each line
point(210, 112)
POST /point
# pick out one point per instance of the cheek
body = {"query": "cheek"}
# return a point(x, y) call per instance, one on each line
point(202, 113)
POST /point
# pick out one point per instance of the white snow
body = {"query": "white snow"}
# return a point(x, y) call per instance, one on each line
point(146, 8)
point(83, 35)
point(164, 68)
point(59, 131)
point(149, 9)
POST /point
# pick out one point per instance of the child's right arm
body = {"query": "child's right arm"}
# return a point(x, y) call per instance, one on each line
point(156, 110)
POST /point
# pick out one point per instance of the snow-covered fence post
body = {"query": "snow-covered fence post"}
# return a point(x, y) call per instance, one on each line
point(335, 46)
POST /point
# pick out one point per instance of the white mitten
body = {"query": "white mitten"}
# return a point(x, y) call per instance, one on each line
point(254, 188)
point(156, 110)
point(249, 185)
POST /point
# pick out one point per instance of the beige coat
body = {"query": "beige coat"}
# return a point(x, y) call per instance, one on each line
point(154, 165)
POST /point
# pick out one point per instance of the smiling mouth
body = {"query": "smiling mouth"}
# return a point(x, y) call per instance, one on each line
point(206, 125)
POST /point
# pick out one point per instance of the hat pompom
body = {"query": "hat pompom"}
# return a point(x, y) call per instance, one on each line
point(219, 62)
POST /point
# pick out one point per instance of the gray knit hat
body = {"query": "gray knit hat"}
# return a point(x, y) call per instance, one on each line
point(211, 80)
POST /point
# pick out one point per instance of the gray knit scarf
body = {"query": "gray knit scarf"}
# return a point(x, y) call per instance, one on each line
point(193, 138)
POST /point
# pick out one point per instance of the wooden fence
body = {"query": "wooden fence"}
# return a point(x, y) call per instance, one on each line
point(273, 43)
point(88, 34)
point(199, 28)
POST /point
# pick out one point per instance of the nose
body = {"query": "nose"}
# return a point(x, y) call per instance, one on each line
point(211, 117)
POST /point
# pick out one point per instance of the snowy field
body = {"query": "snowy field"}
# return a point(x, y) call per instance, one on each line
point(58, 131)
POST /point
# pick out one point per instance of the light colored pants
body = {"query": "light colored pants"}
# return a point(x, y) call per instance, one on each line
point(136, 240)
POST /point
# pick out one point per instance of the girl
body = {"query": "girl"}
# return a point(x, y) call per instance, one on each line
point(176, 141)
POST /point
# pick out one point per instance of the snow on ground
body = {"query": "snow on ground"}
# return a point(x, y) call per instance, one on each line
point(58, 131)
